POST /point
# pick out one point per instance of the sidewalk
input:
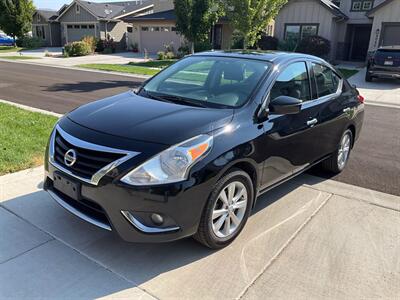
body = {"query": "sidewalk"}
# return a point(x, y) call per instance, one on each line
point(310, 238)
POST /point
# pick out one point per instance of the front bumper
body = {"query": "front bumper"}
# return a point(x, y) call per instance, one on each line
point(116, 207)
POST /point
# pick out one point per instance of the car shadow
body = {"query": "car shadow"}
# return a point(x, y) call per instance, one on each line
point(91, 86)
point(138, 263)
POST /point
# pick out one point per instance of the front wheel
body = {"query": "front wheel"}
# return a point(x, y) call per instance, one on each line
point(226, 211)
point(337, 162)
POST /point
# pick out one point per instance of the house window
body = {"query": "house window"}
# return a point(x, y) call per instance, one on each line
point(69, 26)
point(91, 26)
point(145, 28)
point(40, 32)
point(154, 28)
point(84, 26)
point(130, 29)
point(77, 26)
point(173, 28)
point(78, 9)
point(361, 5)
point(39, 19)
point(299, 31)
point(165, 29)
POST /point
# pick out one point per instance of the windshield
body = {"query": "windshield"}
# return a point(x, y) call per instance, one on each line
point(221, 82)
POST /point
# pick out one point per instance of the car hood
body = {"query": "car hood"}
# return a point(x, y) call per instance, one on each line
point(131, 116)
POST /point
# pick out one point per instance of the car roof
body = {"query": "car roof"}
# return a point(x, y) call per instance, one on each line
point(270, 56)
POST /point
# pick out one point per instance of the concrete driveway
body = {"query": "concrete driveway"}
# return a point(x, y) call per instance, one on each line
point(381, 92)
point(310, 238)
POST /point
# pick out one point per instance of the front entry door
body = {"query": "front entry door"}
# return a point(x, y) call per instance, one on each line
point(291, 142)
point(361, 36)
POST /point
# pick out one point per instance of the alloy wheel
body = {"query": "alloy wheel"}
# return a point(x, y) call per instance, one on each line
point(229, 209)
point(344, 151)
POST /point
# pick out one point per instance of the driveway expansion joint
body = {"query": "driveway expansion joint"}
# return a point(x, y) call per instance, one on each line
point(285, 245)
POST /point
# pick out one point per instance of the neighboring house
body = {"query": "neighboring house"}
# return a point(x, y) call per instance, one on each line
point(353, 27)
point(101, 20)
point(45, 27)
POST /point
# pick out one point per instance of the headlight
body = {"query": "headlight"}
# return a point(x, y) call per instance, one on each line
point(171, 165)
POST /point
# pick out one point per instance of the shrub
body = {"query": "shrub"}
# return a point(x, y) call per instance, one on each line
point(77, 49)
point(314, 45)
point(200, 46)
point(99, 46)
point(30, 42)
point(287, 45)
point(237, 40)
point(109, 46)
point(183, 50)
point(161, 55)
point(91, 41)
point(267, 42)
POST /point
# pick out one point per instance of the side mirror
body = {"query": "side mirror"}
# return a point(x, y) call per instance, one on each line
point(285, 105)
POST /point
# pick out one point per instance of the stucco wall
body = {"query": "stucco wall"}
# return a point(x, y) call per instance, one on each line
point(388, 13)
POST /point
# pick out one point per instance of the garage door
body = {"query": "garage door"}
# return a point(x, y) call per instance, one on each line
point(391, 34)
point(153, 38)
point(77, 32)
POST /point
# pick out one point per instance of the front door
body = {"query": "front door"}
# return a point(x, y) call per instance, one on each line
point(217, 36)
point(360, 44)
point(291, 142)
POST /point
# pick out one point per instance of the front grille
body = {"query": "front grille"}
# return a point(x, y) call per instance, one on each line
point(88, 161)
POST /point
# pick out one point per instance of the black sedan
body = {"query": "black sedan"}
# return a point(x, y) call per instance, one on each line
point(189, 152)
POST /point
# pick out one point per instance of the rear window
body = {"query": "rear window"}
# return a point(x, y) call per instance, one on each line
point(388, 52)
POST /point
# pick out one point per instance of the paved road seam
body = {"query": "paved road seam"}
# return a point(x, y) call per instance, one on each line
point(285, 245)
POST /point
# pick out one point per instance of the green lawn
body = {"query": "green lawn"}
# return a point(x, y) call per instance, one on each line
point(6, 49)
point(19, 57)
point(348, 73)
point(121, 68)
point(160, 64)
point(23, 138)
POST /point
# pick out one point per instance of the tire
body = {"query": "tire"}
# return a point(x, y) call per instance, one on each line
point(207, 233)
point(332, 164)
point(368, 77)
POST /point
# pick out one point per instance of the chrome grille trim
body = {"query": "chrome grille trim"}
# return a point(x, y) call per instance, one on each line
point(96, 177)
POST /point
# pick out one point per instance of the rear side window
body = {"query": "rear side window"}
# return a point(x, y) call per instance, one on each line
point(293, 82)
point(326, 80)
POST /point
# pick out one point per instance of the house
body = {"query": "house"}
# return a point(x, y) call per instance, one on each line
point(101, 20)
point(46, 27)
point(353, 27)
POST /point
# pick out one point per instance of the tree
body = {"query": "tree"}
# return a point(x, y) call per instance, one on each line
point(194, 18)
point(251, 17)
point(16, 17)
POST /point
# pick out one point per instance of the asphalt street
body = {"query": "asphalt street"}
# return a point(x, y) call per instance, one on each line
point(374, 162)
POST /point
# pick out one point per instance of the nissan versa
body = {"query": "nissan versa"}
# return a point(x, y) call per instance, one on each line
point(190, 151)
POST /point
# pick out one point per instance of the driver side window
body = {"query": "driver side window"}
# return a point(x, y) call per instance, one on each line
point(293, 82)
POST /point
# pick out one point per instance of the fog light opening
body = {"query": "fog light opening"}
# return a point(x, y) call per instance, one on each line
point(157, 219)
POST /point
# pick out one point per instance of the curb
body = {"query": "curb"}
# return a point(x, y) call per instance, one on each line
point(138, 76)
point(32, 109)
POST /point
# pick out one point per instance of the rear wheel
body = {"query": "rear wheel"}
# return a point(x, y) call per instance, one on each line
point(226, 211)
point(337, 162)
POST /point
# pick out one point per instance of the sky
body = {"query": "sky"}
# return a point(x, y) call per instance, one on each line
point(56, 4)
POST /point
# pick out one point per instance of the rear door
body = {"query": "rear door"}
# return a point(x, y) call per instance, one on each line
point(290, 141)
point(335, 102)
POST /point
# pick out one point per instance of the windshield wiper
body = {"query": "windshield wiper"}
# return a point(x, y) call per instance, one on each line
point(182, 100)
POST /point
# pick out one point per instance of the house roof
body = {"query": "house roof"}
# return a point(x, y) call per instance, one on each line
point(378, 7)
point(333, 9)
point(162, 15)
point(47, 14)
point(110, 10)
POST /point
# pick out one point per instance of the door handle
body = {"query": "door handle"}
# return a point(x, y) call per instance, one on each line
point(312, 122)
point(347, 109)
